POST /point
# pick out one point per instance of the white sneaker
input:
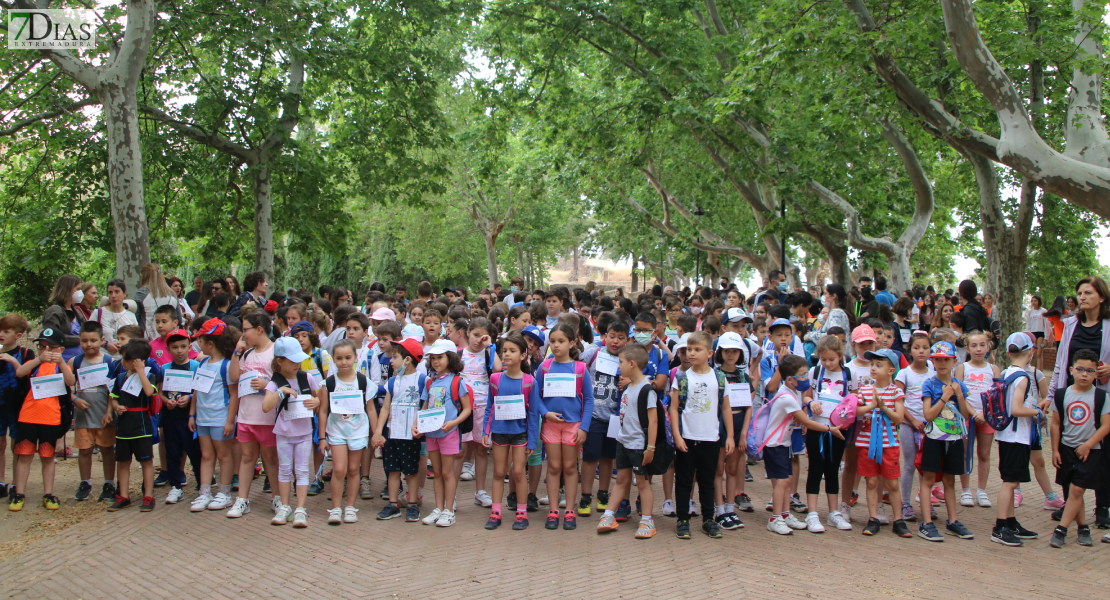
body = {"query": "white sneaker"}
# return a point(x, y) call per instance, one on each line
point(845, 512)
point(770, 505)
point(835, 519)
point(668, 508)
point(881, 512)
point(200, 503)
point(562, 499)
point(446, 519)
point(283, 516)
point(276, 504)
point(432, 517)
point(455, 503)
point(220, 502)
point(241, 507)
point(693, 508)
point(467, 472)
point(983, 499)
point(300, 518)
point(335, 516)
point(813, 523)
point(350, 515)
point(377, 452)
point(174, 496)
point(966, 498)
point(792, 522)
point(481, 498)
point(778, 525)
point(544, 501)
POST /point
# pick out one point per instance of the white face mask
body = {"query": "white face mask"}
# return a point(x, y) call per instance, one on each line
point(78, 297)
point(696, 310)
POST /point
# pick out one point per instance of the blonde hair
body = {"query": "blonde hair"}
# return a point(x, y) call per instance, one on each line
point(319, 318)
point(944, 334)
point(966, 339)
point(151, 278)
point(830, 343)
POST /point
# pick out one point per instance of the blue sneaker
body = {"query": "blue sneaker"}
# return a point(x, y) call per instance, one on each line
point(623, 511)
point(928, 532)
point(162, 479)
point(315, 488)
point(412, 513)
point(391, 511)
point(957, 529)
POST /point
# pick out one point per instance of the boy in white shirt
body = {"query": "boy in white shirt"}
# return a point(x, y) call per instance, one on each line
point(1014, 441)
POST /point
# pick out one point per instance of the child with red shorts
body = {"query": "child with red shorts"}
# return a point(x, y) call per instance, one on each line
point(879, 415)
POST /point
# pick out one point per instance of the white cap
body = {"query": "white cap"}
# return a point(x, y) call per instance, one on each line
point(734, 315)
point(440, 347)
point(730, 340)
point(681, 342)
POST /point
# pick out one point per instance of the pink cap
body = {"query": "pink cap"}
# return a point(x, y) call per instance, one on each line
point(863, 333)
point(383, 314)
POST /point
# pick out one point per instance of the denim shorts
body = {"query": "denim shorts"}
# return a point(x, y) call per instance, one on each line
point(216, 432)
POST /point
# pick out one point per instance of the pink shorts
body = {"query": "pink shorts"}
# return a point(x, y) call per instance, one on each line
point(448, 444)
point(564, 434)
point(477, 416)
point(263, 434)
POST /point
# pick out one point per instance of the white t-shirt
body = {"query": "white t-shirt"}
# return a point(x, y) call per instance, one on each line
point(699, 420)
point(1024, 432)
point(913, 382)
point(110, 322)
point(861, 375)
point(1034, 320)
point(784, 404)
point(831, 392)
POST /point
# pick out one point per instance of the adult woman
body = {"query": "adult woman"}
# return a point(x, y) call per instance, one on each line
point(232, 287)
point(338, 296)
point(114, 316)
point(183, 307)
point(1035, 319)
point(734, 299)
point(835, 299)
point(90, 300)
point(207, 291)
point(942, 315)
point(1089, 330)
point(152, 293)
point(975, 314)
point(1055, 315)
point(928, 312)
point(62, 316)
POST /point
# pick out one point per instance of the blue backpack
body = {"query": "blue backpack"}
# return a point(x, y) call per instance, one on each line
point(996, 411)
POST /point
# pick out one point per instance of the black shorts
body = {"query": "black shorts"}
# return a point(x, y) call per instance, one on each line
point(509, 439)
point(401, 456)
point(598, 445)
point(1038, 334)
point(737, 427)
point(141, 448)
point(1084, 474)
point(31, 438)
point(1013, 462)
point(942, 456)
point(777, 461)
point(630, 459)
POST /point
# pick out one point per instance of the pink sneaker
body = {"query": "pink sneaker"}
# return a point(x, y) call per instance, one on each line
point(1018, 497)
point(1056, 504)
point(938, 494)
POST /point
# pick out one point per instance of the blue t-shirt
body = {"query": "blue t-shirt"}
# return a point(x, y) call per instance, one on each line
point(572, 408)
point(439, 394)
point(507, 386)
point(885, 297)
point(934, 388)
point(212, 405)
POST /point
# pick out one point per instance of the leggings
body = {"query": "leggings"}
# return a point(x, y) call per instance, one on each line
point(908, 437)
point(699, 462)
point(294, 453)
point(823, 464)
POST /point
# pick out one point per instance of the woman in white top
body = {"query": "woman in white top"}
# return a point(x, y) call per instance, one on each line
point(114, 315)
point(152, 293)
point(835, 299)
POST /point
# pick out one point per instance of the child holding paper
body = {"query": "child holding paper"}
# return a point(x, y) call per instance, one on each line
point(345, 426)
point(134, 400)
point(41, 416)
point(177, 396)
point(92, 368)
point(400, 449)
point(444, 393)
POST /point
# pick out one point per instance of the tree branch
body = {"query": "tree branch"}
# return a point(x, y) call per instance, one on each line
point(18, 125)
point(198, 134)
point(922, 189)
point(855, 235)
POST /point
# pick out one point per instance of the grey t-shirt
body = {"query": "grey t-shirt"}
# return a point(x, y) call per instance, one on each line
point(631, 435)
point(1079, 420)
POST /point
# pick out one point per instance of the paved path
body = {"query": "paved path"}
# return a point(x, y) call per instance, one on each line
point(174, 553)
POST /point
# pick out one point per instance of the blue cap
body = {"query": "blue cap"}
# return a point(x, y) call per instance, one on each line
point(534, 332)
point(943, 350)
point(300, 326)
point(289, 348)
point(884, 353)
point(778, 323)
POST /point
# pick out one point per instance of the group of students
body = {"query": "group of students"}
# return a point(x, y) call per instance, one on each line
point(656, 388)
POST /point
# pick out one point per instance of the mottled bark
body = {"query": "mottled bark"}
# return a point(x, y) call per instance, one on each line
point(263, 221)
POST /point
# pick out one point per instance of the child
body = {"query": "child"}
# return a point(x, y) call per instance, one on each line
point(600, 450)
point(513, 439)
point(944, 402)
point(400, 449)
point(479, 362)
point(208, 414)
point(253, 359)
point(1014, 440)
point(785, 408)
point(165, 321)
point(12, 388)
point(563, 396)
point(318, 365)
point(174, 420)
point(134, 401)
point(433, 325)
point(1077, 447)
point(831, 383)
point(293, 393)
point(698, 396)
point(346, 416)
point(882, 408)
point(41, 421)
point(636, 441)
point(91, 406)
point(358, 327)
point(731, 354)
point(863, 341)
point(977, 374)
point(910, 380)
point(780, 338)
point(444, 444)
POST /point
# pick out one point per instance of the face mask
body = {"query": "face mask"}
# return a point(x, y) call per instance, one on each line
point(514, 289)
point(696, 309)
point(78, 297)
point(782, 286)
point(801, 386)
point(643, 338)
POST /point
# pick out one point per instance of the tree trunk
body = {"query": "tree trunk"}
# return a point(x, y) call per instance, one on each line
point(491, 258)
point(574, 264)
point(531, 274)
point(520, 262)
point(635, 278)
point(263, 221)
point(125, 183)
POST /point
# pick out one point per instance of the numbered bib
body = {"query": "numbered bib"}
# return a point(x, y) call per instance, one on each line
point(509, 408)
point(133, 386)
point(739, 395)
point(614, 427)
point(905, 335)
point(607, 363)
point(399, 423)
point(829, 402)
point(559, 385)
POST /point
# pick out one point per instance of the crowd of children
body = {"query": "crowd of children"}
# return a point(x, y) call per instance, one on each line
point(692, 389)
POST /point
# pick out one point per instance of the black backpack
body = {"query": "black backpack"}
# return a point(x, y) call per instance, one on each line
point(302, 384)
point(664, 452)
point(359, 378)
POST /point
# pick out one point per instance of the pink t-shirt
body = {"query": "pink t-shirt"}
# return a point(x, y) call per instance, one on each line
point(250, 407)
point(296, 427)
point(161, 354)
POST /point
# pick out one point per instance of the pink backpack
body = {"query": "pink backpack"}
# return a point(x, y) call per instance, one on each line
point(844, 415)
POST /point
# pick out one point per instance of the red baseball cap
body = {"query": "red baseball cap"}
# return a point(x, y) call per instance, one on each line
point(271, 306)
point(413, 348)
point(211, 327)
point(177, 333)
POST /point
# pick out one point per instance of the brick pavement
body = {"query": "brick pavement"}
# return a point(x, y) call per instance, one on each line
point(172, 553)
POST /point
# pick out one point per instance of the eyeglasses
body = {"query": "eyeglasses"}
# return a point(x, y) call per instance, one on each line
point(1084, 370)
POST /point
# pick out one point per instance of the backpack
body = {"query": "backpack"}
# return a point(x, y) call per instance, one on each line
point(19, 390)
point(996, 411)
point(456, 398)
point(1058, 402)
point(303, 386)
point(223, 376)
point(664, 451)
point(360, 380)
point(758, 433)
point(494, 383)
point(155, 402)
point(579, 371)
point(844, 415)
